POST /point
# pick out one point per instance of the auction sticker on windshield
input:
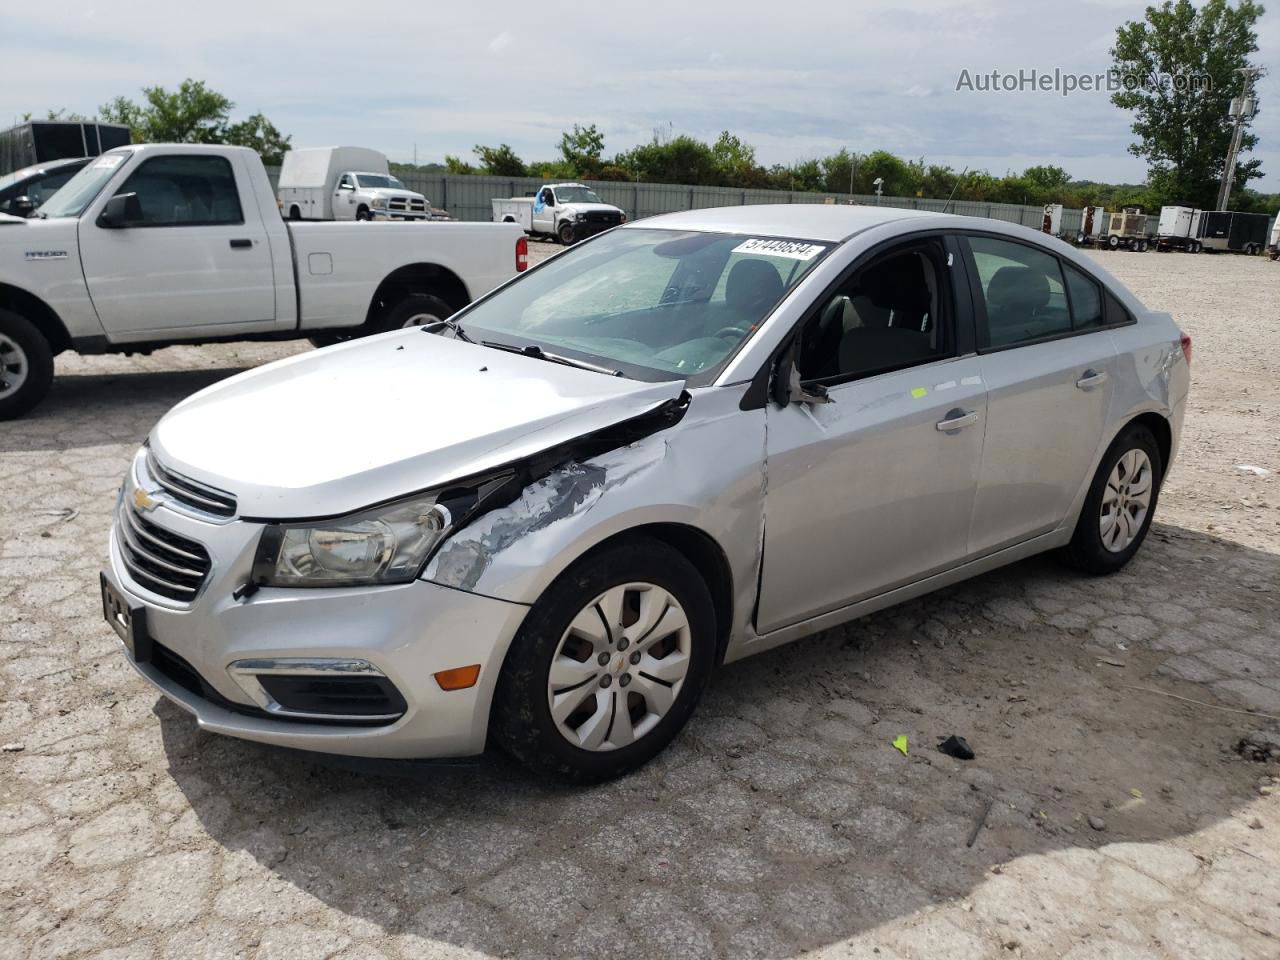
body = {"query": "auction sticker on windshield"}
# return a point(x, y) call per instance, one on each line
point(790, 249)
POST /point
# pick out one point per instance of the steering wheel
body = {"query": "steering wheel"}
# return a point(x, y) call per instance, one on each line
point(731, 332)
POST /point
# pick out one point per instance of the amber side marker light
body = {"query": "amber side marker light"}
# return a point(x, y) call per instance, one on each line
point(459, 678)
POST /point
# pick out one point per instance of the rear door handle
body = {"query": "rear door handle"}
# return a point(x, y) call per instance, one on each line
point(1091, 378)
point(957, 419)
point(241, 244)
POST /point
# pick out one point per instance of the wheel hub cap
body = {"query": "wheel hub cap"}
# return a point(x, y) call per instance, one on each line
point(1126, 501)
point(13, 366)
point(619, 667)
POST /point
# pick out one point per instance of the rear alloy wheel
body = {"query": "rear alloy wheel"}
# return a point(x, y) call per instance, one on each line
point(1117, 512)
point(415, 310)
point(26, 365)
point(609, 664)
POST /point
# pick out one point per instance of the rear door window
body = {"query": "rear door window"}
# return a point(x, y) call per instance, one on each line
point(1022, 290)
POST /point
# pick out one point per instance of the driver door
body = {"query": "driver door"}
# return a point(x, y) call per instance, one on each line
point(344, 198)
point(875, 489)
point(544, 214)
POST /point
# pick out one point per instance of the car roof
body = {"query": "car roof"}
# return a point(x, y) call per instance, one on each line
point(807, 221)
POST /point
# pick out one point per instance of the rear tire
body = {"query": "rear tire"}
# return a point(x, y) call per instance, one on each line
point(415, 310)
point(604, 743)
point(1130, 469)
point(26, 365)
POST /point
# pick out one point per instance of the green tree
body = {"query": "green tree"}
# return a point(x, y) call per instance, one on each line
point(194, 114)
point(500, 161)
point(261, 135)
point(1178, 66)
point(456, 165)
point(581, 149)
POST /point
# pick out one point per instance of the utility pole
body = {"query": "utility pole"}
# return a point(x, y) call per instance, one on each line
point(1241, 112)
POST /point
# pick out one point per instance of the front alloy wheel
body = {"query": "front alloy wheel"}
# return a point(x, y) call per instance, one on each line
point(619, 667)
point(609, 664)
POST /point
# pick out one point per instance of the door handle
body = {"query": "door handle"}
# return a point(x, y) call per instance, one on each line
point(241, 244)
point(957, 419)
point(1091, 378)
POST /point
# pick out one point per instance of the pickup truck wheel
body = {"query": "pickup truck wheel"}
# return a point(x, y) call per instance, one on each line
point(364, 214)
point(415, 310)
point(295, 213)
point(26, 365)
point(565, 233)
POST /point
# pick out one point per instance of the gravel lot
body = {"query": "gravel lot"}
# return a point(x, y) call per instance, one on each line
point(1122, 823)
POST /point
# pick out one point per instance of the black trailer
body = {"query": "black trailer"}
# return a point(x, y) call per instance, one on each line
point(41, 141)
point(1237, 232)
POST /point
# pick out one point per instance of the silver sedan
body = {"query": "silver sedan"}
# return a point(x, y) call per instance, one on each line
point(548, 519)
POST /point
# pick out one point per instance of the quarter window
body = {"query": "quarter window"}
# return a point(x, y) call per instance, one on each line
point(1022, 291)
point(890, 314)
point(185, 191)
point(1086, 300)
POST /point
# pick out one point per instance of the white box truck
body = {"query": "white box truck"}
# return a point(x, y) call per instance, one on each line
point(1178, 229)
point(1052, 221)
point(567, 211)
point(345, 183)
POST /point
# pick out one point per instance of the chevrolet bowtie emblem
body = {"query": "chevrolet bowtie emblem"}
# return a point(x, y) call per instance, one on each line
point(143, 500)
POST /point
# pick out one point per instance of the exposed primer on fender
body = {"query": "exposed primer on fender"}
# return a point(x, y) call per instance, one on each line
point(566, 492)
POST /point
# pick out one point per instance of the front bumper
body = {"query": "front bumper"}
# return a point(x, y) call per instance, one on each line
point(397, 215)
point(409, 632)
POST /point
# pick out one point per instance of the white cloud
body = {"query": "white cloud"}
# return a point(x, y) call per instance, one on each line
point(395, 76)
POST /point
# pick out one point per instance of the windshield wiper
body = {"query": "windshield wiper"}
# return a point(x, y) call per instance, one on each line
point(535, 351)
point(435, 325)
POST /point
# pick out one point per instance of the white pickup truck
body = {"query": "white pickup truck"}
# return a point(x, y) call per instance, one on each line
point(567, 211)
point(159, 244)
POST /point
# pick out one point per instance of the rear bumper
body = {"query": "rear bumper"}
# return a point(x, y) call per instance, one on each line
point(409, 632)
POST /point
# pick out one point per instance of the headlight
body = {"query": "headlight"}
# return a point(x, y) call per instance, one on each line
point(379, 202)
point(579, 217)
point(387, 544)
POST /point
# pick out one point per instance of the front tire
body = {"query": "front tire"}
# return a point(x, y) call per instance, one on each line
point(363, 214)
point(26, 365)
point(1122, 500)
point(566, 233)
point(609, 664)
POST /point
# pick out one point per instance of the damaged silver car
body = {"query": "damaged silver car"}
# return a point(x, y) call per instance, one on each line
point(547, 520)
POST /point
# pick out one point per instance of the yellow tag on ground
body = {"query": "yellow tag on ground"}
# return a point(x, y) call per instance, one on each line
point(900, 743)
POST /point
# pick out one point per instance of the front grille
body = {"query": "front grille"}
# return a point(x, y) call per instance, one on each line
point(401, 204)
point(159, 559)
point(191, 493)
point(603, 216)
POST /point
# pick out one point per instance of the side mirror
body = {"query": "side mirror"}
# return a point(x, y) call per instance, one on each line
point(22, 206)
point(122, 210)
point(346, 186)
point(785, 388)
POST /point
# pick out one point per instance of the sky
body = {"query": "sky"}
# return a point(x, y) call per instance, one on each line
point(793, 81)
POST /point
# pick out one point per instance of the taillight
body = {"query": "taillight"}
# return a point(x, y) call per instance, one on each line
point(1186, 347)
point(522, 255)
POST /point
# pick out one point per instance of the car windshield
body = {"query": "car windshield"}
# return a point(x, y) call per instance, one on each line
point(375, 180)
point(576, 195)
point(78, 192)
point(654, 304)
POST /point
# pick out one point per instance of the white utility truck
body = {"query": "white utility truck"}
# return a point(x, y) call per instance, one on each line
point(567, 211)
point(1273, 245)
point(1179, 229)
point(159, 244)
point(345, 183)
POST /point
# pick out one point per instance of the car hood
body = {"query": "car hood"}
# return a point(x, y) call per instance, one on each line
point(329, 432)
point(390, 192)
point(593, 208)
